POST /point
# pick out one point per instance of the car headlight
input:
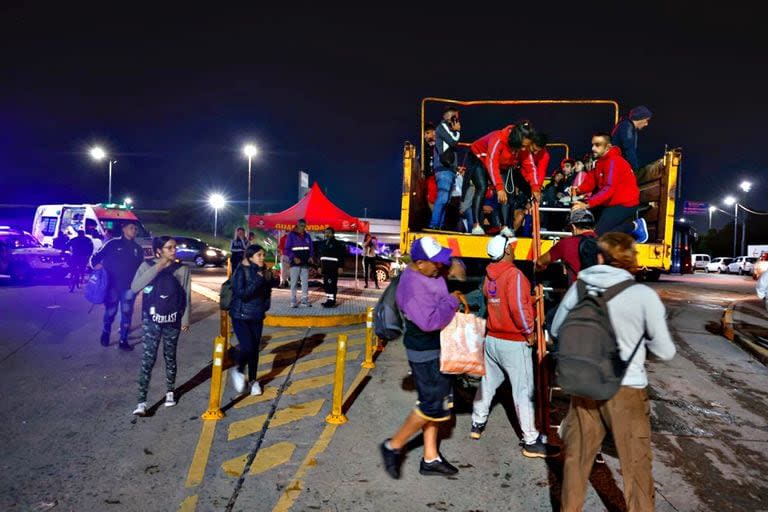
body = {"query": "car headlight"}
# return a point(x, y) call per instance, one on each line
point(210, 252)
point(223, 253)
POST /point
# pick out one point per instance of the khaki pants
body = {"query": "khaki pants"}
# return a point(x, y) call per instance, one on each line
point(627, 416)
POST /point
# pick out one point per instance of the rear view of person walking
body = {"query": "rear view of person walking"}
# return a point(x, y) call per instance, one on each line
point(82, 250)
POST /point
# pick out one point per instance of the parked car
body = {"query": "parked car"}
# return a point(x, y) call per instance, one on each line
point(700, 261)
point(743, 265)
point(719, 264)
point(24, 258)
point(198, 252)
point(384, 265)
point(761, 265)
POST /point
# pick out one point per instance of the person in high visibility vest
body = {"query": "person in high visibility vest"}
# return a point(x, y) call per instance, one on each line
point(331, 259)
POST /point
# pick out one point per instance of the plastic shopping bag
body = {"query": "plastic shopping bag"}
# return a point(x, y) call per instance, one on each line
point(462, 346)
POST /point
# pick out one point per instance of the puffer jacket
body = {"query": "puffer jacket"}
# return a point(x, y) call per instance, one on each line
point(251, 294)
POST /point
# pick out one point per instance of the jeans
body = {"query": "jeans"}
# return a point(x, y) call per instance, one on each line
point(124, 299)
point(153, 335)
point(616, 218)
point(444, 179)
point(515, 359)
point(297, 271)
point(248, 334)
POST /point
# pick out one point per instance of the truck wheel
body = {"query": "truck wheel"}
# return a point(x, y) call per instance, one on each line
point(199, 261)
point(20, 273)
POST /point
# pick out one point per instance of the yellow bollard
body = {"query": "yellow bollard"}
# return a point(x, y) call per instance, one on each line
point(337, 417)
point(214, 411)
point(369, 338)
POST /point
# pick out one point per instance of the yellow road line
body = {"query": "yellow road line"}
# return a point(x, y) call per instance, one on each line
point(292, 491)
point(327, 347)
point(307, 365)
point(282, 417)
point(295, 388)
point(329, 336)
point(189, 504)
point(203, 450)
point(266, 459)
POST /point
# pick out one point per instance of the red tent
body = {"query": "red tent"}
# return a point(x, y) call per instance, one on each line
point(316, 209)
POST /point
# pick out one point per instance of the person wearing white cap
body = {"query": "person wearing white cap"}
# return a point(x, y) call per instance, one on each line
point(508, 346)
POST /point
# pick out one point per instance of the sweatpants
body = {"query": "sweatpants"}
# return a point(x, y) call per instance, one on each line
point(297, 271)
point(248, 334)
point(513, 358)
point(330, 279)
point(153, 335)
point(627, 416)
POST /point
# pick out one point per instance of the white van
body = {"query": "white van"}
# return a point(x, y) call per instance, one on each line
point(700, 261)
point(99, 221)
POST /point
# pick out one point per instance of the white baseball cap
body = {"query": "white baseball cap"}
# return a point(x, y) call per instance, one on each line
point(498, 244)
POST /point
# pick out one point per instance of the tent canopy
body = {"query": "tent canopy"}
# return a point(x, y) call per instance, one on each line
point(316, 209)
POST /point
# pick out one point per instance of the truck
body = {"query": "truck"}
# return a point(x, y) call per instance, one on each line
point(99, 221)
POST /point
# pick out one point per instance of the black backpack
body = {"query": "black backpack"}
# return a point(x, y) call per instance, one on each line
point(388, 323)
point(588, 360)
point(587, 251)
point(164, 298)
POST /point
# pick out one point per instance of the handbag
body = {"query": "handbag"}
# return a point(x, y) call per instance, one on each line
point(462, 344)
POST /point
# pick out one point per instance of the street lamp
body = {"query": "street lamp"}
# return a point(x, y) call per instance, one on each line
point(746, 186)
point(216, 201)
point(712, 209)
point(98, 154)
point(732, 201)
point(250, 151)
point(128, 201)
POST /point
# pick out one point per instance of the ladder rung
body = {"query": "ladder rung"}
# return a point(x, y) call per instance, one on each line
point(553, 209)
point(557, 233)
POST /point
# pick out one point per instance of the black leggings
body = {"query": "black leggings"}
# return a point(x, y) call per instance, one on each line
point(616, 219)
point(479, 178)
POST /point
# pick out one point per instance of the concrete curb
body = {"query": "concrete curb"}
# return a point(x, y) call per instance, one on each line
point(743, 340)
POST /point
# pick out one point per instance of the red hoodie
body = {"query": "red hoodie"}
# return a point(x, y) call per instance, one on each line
point(508, 297)
point(494, 151)
point(539, 162)
point(612, 181)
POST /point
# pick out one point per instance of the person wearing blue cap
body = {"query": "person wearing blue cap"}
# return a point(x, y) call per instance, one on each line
point(427, 307)
point(624, 134)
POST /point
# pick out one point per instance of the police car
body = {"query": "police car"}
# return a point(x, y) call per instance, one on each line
point(24, 258)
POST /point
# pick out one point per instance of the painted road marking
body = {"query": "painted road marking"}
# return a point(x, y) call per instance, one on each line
point(349, 333)
point(290, 414)
point(203, 450)
point(266, 459)
point(189, 504)
point(307, 365)
point(328, 347)
point(295, 388)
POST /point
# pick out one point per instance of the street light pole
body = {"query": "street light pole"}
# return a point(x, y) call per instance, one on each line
point(250, 151)
point(711, 211)
point(215, 220)
point(216, 201)
point(746, 186)
point(735, 225)
point(109, 199)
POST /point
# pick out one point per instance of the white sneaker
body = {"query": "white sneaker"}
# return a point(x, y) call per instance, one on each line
point(256, 389)
point(238, 380)
point(141, 409)
point(170, 401)
point(478, 230)
point(505, 231)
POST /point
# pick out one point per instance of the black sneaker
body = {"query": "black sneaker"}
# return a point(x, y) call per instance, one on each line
point(391, 460)
point(124, 346)
point(477, 430)
point(437, 467)
point(104, 339)
point(599, 459)
point(540, 450)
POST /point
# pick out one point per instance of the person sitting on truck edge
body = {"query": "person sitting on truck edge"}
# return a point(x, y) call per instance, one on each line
point(508, 346)
point(614, 187)
point(497, 150)
point(625, 134)
point(120, 257)
point(637, 316)
point(300, 251)
point(428, 173)
point(427, 306)
point(445, 162)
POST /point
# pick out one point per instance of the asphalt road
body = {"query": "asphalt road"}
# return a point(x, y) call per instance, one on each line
point(70, 442)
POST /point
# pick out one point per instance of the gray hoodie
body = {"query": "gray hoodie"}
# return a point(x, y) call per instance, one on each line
point(636, 312)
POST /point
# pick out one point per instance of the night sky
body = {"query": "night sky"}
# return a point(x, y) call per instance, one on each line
point(175, 92)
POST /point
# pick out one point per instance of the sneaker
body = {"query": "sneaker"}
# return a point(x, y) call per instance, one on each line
point(599, 459)
point(540, 450)
point(437, 467)
point(105, 339)
point(170, 400)
point(123, 345)
point(505, 231)
point(305, 304)
point(294, 305)
point(641, 231)
point(477, 430)
point(391, 460)
point(141, 409)
point(256, 389)
point(478, 230)
point(238, 380)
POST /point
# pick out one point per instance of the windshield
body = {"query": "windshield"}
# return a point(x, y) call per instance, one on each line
point(115, 227)
point(19, 241)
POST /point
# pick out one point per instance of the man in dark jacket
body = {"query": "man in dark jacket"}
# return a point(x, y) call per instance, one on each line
point(445, 163)
point(332, 254)
point(82, 249)
point(298, 248)
point(121, 258)
point(624, 134)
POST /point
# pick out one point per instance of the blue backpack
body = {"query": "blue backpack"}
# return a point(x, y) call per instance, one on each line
point(96, 287)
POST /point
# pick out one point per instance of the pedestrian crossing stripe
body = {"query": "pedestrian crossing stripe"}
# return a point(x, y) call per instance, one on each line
point(266, 459)
point(295, 388)
point(189, 504)
point(282, 417)
point(306, 366)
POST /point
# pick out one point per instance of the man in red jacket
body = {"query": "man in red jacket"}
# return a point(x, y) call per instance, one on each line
point(493, 153)
point(508, 346)
point(614, 188)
